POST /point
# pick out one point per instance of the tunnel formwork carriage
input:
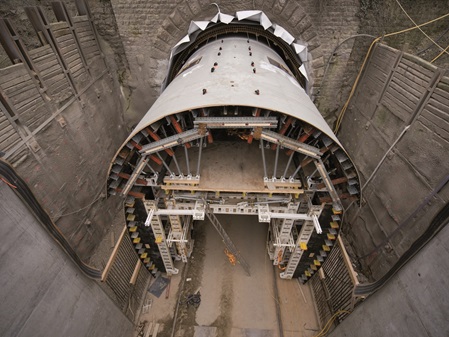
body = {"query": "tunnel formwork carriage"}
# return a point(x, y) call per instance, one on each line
point(234, 132)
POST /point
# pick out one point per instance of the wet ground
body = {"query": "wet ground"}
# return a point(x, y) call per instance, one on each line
point(233, 304)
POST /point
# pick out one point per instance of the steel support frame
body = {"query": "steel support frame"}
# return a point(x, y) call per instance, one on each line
point(157, 227)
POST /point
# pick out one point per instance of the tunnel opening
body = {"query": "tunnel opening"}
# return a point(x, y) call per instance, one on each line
point(234, 133)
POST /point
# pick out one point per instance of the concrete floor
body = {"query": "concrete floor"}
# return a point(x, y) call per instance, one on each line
point(232, 303)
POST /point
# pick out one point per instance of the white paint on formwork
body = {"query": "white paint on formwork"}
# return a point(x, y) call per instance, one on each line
point(252, 15)
point(234, 83)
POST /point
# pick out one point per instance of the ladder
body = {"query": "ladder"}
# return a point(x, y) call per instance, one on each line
point(161, 241)
point(284, 233)
point(226, 239)
point(301, 245)
point(177, 231)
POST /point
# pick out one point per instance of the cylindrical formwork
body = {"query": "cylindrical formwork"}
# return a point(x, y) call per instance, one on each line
point(234, 132)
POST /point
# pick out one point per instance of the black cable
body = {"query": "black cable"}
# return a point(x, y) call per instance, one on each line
point(27, 196)
point(437, 224)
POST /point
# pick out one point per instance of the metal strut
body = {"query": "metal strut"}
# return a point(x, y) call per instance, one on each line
point(227, 240)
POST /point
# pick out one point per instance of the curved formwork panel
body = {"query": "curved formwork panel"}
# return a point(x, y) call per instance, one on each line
point(234, 133)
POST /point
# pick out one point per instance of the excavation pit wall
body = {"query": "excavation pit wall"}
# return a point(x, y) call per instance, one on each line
point(60, 129)
point(396, 130)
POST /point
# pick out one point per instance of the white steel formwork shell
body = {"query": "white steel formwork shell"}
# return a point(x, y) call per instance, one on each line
point(234, 132)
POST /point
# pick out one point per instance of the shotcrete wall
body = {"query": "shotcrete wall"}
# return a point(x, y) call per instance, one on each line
point(413, 303)
point(60, 127)
point(43, 293)
point(396, 130)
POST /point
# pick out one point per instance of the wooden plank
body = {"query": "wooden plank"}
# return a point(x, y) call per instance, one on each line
point(74, 62)
point(19, 105)
point(68, 49)
point(392, 105)
point(61, 32)
point(67, 43)
point(77, 67)
point(73, 57)
point(400, 98)
point(412, 78)
point(71, 53)
point(434, 128)
point(444, 80)
point(31, 108)
point(347, 261)
point(45, 58)
point(55, 79)
point(113, 256)
point(79, 72)
point(61, 86)
point(4, 122)
point(404, 96)
point(135, 273)
point(10, 142)
point(408, 85)
point(7, 134)
point(56, 82)
point(441, 95)
point(438, 105)
point(434, 110)
point(385, 56)
point(51, 70)
point(52, 74)
point(5, 126)
point(439, 122)
point(420, 62)
point(378, 74)
point(12, 72)
point(20, 97)
point(41, 51)
point(19, 88)
point(15, 69)
point(36, 121)
point(63, 38)
point(426, 73)
point(335, 181)
point(47, 64)
point(56, 26)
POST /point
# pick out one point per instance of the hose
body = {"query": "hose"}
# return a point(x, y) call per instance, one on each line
point(20, 187)
point(437, 224)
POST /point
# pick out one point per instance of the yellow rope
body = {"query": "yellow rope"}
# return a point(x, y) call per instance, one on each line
point(438, 56)
point(434, 42)
point(329, 323)
point(345, 106)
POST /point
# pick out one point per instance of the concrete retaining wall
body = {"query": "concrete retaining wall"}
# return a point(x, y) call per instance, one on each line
point(42, 291)
point(412, 304)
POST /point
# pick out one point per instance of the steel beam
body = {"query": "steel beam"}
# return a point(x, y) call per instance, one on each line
point(175, 140)
point(291, 144)
point(237, 122)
